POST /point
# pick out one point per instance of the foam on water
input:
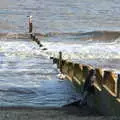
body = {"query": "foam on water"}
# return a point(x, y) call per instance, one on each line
point(27, 78)
point(86, 51)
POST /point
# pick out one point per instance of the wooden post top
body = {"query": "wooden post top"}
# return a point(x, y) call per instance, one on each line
point(30, 19)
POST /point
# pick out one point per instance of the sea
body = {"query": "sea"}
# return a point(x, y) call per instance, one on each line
point(85, 31)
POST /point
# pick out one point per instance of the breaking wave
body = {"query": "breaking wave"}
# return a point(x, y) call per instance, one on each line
point(94, 35)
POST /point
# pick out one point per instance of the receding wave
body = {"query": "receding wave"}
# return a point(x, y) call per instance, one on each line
point(94, 35)
point(18, 90)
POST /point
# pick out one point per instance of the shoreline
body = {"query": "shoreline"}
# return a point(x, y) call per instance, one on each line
point(47, 113)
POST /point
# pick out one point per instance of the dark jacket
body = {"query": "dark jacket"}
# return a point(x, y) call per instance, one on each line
point(88, 85)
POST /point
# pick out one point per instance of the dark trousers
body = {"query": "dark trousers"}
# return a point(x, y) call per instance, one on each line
point(30, 27)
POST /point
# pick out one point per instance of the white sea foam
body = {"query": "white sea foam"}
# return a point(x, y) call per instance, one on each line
point(27, 78)
point(84, 51)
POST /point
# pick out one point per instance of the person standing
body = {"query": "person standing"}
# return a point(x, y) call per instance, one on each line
point(88, 88)
point(30, 24)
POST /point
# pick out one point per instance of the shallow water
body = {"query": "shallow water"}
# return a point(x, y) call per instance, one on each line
point(103, 54)
point(72, 17)
point(27, 78)
point(70, 27)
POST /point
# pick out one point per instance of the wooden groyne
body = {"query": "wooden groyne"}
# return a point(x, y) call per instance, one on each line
point(107, 83)
point(106, 99)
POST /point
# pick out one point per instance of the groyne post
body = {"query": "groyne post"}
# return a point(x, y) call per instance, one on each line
point(118, 86)
point(99, 78)
point(109, 80)
point(30, 26)
point(33, 35)
point(60, 61)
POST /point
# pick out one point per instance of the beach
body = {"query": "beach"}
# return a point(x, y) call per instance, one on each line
point(68, 113)
point(86, 32)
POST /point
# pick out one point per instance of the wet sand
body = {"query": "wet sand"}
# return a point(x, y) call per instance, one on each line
point(67, 113)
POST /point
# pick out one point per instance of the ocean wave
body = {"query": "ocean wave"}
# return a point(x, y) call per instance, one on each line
point(18, 90)
point(94, 35)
